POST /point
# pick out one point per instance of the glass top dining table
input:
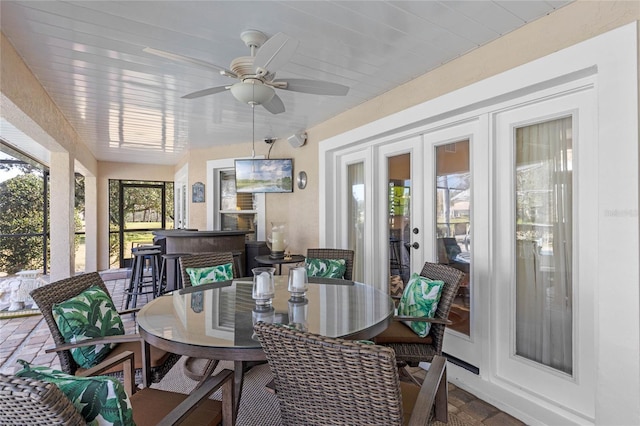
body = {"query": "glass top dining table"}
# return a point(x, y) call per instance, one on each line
point(215, 321)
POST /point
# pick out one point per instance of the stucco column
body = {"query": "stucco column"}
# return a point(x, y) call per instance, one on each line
point(61, 189)
point(102, 230)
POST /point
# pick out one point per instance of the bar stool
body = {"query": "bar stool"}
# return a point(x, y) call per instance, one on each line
point(141, 283)
point(170, 269)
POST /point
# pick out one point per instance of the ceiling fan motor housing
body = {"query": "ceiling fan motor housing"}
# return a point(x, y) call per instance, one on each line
point(252, 92)
point(242, 66)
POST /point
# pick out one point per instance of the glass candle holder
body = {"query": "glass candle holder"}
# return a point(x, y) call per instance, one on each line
point(277, 240)
point(298, 313)
point(263, 285)
point(298, 281)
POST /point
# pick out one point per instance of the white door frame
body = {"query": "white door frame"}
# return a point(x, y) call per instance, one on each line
point(180, 185)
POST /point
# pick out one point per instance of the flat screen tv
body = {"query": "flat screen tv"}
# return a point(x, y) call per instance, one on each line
point(260, 175)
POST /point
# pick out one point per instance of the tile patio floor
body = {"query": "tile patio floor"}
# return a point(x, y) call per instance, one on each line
point(27, 338)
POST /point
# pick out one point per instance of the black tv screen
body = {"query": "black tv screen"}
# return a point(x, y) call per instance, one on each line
point(259, 175)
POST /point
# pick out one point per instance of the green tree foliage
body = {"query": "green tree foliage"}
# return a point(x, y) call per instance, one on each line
point(22, 212)
point(21, 204)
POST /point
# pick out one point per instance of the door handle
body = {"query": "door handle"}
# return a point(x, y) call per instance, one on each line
point(415, 245)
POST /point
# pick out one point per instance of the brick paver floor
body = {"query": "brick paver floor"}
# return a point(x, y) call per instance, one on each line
point(27, 337)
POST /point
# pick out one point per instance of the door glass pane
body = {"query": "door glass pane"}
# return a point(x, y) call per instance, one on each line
point(544, 217)
point(399, 167)
point(453, 223)
point(237, 210)
point(143, 210)
point(356, 218)
point(136, 209)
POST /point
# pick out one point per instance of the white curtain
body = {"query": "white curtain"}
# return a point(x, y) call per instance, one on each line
point(544, 243)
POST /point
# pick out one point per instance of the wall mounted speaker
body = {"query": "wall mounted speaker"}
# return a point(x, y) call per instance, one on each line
point(298, 139)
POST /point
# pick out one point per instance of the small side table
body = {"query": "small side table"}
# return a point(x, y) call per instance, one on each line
point(266, 260)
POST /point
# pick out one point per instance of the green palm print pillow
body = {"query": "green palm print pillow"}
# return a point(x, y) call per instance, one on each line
point(210, 274)
point(420, 299)
point(101, 400)
point(325, 268)
point(88, 315)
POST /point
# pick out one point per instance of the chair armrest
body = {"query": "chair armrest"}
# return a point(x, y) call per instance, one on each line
point(125, 358)
point(433, 391)
point(422, 319)
point(223, 379)
point(97, 341)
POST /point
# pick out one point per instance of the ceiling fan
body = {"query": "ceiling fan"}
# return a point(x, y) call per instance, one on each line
point(257, 73)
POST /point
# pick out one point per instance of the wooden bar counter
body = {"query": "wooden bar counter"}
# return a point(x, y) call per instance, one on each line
point(184, 241)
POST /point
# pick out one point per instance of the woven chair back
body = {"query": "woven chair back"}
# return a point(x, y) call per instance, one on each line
point(203, 260)
point(320, 380)
point(452, 278)
point(57, 292)
point(27, 401)
point(331, 253)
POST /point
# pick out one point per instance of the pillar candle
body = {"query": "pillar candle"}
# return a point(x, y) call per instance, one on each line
point(299, 278)
point(277, 241)
point(262, 284)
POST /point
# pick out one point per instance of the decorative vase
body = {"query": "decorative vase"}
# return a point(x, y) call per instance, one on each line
point(277, 240)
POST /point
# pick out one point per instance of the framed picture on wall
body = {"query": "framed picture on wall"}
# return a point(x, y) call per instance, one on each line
point(197, 192)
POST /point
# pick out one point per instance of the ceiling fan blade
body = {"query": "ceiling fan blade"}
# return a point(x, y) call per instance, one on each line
point(205, 92)
point(275, 105)
point(315, 87)
point(189, 60)
point(274, 53)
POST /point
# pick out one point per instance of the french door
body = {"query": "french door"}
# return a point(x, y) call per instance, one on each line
point(456, 193)
point(414, 227)
point(388, 197)
point(400, 190)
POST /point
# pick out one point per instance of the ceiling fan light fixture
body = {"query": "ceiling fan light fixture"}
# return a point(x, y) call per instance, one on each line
point(252, 93)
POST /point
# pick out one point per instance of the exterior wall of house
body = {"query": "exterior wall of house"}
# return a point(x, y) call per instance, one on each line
point(299, 209)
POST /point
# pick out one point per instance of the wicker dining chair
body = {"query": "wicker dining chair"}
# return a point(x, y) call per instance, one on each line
point(203, 260)
point(29, 401)
point(411, 349)
point(62, 290)
point(320, 380)
point(331, 253)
